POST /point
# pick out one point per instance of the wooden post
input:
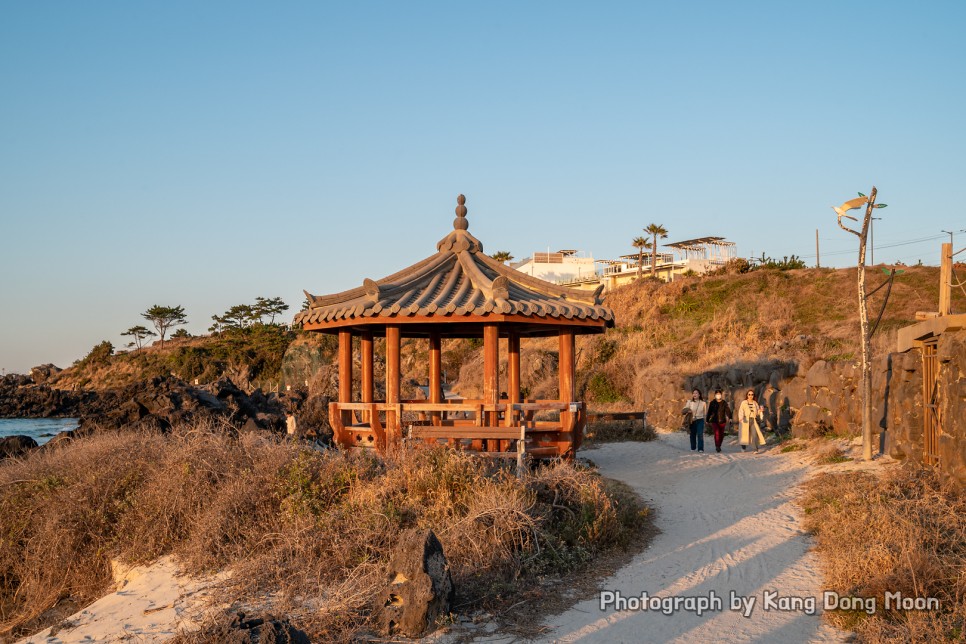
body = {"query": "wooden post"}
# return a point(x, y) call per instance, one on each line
point(367, 368)
point(567, 365)
point(435, 374)
point(366, 358)
point(513, 386)
point(345, 374)
point(393, 422)
point(491, 371)
point(818, 260)
point(946, 280)
point(567, 375)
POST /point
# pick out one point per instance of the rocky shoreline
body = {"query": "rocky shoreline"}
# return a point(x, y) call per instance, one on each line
point(160, 403)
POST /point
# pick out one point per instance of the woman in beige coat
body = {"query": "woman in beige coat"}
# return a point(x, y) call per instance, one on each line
point(750, 416)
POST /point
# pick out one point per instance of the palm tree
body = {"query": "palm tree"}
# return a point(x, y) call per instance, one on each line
point(640, 243)
point(502, 256)
point(655, 231)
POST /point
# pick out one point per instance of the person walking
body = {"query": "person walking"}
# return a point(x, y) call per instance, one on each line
point(750, 416)
point(699, 411)
point(719, 413)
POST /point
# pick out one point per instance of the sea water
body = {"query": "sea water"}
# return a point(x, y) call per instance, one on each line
point(39, 429)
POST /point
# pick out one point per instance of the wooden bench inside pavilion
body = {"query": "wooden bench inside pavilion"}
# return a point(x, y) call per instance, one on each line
point(459, 292)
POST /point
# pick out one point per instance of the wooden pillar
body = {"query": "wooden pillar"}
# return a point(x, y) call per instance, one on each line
point(946, 280)
point(345, 366)
point(567, 376)
point(491, 371)
point(567, 365)
point(345, 374)
point(513, 386)
point(393, 428)
point(435, 374)
point(366, 358)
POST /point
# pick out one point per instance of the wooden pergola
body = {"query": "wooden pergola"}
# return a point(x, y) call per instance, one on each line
point(457, 293)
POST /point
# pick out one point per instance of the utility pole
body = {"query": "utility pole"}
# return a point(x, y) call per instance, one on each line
point(818, 261)
point(946, 279)
point(950, 233)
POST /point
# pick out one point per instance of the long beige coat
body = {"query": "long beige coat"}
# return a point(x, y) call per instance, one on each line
point(750, 415)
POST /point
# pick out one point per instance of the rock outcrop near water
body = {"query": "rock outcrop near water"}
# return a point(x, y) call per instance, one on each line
point(162, 402)
point(21, 397)
point(14, 446)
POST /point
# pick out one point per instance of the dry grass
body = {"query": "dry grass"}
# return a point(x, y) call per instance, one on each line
point(697, 324)
point(619, 430)
point(904, 532)
point(305, 534)
point(826, 453)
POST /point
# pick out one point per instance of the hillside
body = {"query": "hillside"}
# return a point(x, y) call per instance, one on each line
point(701, 323)
point(251, 357)
point(664, 333)
point(669, 333)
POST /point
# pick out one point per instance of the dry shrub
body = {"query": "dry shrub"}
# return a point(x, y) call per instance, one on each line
point(304, 533)
point(825, 453)
point(619, 430)
point(904, 532)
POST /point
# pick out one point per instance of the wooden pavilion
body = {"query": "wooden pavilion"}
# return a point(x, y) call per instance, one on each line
point(457, 293)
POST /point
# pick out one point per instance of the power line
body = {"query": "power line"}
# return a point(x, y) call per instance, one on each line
point(878, 246)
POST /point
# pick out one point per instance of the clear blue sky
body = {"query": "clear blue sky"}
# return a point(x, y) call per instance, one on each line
point(206, 153)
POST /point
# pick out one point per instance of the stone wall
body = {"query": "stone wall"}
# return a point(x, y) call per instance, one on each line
point(806, 399)
point(904, 405)
point(825, 398)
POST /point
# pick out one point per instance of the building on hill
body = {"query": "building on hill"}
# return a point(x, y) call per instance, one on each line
point(561, 266)
point(580, 270)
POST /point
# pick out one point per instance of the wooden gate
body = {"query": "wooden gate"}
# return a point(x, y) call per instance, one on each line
point(931, 403)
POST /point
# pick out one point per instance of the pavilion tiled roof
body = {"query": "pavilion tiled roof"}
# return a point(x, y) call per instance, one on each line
point(459, 280)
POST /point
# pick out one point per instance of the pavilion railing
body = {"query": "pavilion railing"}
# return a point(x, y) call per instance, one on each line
point(467, 424)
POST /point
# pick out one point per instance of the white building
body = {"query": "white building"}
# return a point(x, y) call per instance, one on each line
point(562, 266)
point(580, 270)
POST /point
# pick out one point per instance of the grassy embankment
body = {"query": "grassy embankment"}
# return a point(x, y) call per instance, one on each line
point(251, 355)
point(696, 324)
point(305, 534)
point(701, 323)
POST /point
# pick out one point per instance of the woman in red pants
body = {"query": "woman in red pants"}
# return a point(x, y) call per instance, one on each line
point(719, 413)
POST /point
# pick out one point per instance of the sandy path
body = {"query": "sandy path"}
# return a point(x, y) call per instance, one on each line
point(728, 524)
point(150, 604)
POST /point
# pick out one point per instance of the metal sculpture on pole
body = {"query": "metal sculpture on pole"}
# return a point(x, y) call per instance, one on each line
point(870, 205)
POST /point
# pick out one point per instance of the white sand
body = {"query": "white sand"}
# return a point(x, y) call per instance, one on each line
point(150, 604)
point(728, 524)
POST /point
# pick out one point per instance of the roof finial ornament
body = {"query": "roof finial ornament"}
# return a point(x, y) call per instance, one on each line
point(460, 222)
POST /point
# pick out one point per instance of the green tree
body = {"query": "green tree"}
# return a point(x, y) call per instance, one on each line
point(240, 316)
point(140, 334)
point(165, 317)
point(502, 256)
point(99, 355)
point(181, 334)
point(269, 307)
point(640, 243)
point(655, 231)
